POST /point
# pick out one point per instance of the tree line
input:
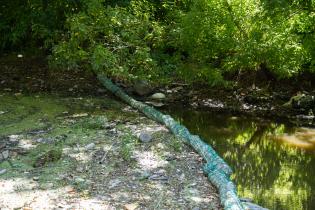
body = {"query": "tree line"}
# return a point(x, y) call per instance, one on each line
point(163, 40)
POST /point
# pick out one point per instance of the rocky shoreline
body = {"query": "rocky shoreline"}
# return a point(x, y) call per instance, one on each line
point(292, 105)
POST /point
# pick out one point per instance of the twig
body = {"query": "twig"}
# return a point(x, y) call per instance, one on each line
point(104, 156)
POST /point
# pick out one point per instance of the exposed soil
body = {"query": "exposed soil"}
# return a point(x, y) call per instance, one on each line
point(84, 152)
point(257, 94)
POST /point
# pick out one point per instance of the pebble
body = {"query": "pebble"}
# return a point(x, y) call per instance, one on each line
point(13, 137)
point(35, 178)
point(145, 137)
point(90, 146)
point(5, 154)
point(158, 177)
point(114, 183)
point(3, 171)
point(131, 206)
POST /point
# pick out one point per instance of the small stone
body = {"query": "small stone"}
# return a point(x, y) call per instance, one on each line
point(36, 178)
point(158, 96)
point(114, 183)
point(158, 177)
point(145, 137)
point(5, 154)
point(13, 137)
point(80, 115)
point(3, 171)
point(131, 206)
point(144, 175)
point(90, 146)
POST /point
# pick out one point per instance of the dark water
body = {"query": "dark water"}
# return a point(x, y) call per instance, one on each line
point(274, 163)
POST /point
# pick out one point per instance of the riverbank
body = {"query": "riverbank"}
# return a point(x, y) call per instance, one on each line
point(90, 153)
point(285, 101)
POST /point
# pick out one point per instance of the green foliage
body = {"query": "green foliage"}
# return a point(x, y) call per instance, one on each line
point(119, 41)
point(33, 22)
point(160, 40)
point(244, 35)
point(127, 148)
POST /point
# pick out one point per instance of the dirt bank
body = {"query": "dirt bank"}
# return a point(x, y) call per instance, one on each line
point(86, 153)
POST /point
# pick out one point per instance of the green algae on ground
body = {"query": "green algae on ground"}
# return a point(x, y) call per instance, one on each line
point(25, 113)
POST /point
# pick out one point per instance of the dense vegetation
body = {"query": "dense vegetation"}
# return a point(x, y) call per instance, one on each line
point(191, 40)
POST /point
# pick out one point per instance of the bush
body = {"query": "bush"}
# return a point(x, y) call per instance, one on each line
point(244, 35)
point(119, 41)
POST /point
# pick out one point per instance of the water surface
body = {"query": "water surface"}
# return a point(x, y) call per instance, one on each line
point(274, 163)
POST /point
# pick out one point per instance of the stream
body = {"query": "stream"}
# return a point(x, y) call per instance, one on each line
point(273, 162)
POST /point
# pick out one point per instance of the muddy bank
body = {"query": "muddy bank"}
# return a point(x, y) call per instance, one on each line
point(277, 100)
point(89, 153)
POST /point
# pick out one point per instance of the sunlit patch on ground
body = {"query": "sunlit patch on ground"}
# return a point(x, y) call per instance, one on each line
point(85, 159)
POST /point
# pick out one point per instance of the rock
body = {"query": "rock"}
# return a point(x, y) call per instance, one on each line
point(80, 115)
point(131, 206)
point(5, 155)
point(14, 137)
point(36, 178)
point(158, 177)
point(145, 137)
point(44, 140)
point(156, 104)
point(90, 146)
point(158, 96)
point(142, 87)
point(114, 183)
point(3, 171)
point(144, 175)
point(301, 101)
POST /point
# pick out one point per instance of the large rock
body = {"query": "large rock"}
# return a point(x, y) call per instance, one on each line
point(158, 96)
point(142, 87)
point(301, 101)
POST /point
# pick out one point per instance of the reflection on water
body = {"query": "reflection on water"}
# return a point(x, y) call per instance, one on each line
point(274, 163)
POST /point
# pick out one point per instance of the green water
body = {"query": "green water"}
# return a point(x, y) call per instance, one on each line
point(274, 163)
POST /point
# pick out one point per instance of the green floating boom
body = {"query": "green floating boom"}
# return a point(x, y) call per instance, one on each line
point(216, 168)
